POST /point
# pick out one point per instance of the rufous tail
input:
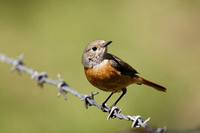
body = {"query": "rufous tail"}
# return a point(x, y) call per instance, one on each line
point(151, 84)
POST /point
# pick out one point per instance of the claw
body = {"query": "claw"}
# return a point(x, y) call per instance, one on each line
point(105, 108)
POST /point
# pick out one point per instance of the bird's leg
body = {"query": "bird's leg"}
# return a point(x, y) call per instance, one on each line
point(104, 103)
point(123, 93)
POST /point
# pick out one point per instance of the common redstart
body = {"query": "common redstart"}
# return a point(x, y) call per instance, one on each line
point(108, 72)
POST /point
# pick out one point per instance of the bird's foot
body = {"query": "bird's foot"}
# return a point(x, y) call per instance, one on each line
point(105, 108)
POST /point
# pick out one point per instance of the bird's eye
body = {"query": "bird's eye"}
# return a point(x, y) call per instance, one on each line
point(94, 48)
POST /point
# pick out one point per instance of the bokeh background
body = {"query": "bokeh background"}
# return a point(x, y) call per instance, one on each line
point(159, 38)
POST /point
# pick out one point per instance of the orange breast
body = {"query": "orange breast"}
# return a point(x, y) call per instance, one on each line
point(107, 78)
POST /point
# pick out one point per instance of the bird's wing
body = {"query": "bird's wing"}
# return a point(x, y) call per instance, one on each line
point(121, 66)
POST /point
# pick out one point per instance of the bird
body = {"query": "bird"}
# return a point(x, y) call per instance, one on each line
point(109, 73)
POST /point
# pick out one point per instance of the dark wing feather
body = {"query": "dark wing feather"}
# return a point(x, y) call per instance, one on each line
point(120, 65)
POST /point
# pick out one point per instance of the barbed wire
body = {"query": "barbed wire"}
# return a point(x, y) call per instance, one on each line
point(63, 87)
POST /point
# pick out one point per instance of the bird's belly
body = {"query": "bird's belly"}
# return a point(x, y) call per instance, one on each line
point(107, 78)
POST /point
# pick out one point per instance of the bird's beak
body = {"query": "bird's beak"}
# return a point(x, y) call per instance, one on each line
point(107, 43)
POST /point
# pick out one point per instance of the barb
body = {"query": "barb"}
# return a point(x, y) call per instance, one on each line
point(63, 87)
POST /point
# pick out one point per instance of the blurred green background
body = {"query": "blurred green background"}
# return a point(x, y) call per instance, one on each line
point(159, 38)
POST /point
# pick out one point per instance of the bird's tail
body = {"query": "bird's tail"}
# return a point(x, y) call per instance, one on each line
point(151, 84)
